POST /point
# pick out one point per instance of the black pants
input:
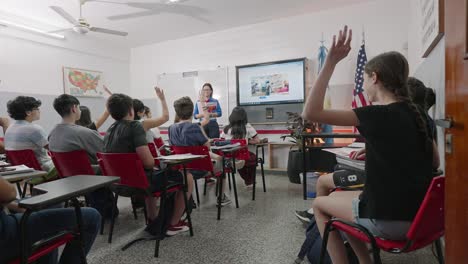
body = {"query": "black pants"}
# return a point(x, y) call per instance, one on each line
point(212, 129)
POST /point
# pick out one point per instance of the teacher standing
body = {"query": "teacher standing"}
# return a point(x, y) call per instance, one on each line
point(214, 109)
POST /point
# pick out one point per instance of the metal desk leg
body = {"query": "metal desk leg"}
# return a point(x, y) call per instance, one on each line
point(79, 221)
point(187, 211)
point(234, 179)
point(304, 171)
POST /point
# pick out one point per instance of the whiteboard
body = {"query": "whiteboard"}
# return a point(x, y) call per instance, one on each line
point(176, 85)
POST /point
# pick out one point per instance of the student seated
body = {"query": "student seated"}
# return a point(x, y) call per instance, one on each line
point(126, 135)
point(422, 97)
point(41, 225)
point(399, 151)
point(240, 128)
point(186, 133)
point(85, 118)
point(23, 134)
point(67, 136)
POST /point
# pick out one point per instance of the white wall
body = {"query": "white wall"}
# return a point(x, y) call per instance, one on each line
point(32, 65)
point(286, 38)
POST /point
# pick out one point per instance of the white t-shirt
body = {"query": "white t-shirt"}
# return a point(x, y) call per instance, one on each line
point(251, 132)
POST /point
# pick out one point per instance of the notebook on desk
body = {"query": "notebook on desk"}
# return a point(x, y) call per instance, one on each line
point(180, 157)
point(225, 146)
point(342, 157)
point(15, 170)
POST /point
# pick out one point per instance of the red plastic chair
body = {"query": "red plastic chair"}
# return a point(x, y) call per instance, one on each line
point(427, 227)
point(205, 164)
point(23, 157)
point(133, 182)
point(49, 246)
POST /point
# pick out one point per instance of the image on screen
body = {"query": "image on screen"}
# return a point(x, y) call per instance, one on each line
point(271, 83)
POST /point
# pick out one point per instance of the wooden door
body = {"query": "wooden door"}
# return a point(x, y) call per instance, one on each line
point(456, 94)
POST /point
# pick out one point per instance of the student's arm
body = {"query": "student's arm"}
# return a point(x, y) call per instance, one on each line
point(100, 121)
point(313, 110)
point(4, 123)
point(254, 140)
point(435, 156)
point(7, 192)
point(145, 156)
point(150, 123)
point(196, 114)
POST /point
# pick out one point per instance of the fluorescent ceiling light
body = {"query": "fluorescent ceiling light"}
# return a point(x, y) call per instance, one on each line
point(30, 29)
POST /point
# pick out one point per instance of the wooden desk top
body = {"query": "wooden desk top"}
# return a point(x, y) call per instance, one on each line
point(331, 135)
point(64, 189)
point(24, 176)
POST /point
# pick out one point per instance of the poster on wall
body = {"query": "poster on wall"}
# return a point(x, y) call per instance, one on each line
point(431, 24)
point(82, 83)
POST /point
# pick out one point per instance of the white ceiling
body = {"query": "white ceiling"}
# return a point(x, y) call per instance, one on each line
point(165, 22)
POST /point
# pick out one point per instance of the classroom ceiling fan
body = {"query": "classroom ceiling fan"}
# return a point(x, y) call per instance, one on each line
point(155, 8)
point(80, 25)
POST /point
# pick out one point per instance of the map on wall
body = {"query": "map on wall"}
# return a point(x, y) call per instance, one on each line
point(80, 82)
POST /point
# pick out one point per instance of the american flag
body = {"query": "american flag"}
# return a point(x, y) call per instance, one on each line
point(360, 98)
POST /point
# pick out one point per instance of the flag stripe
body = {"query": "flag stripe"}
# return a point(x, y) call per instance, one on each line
point(359, 97)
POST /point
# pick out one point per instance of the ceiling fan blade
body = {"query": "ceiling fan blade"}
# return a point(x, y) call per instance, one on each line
point(133, 15)
point(59, 30)
point(65, 15)
point(108, 31)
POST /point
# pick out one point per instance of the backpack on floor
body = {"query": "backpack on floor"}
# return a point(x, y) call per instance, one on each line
point(312, 247)
point(154, 227)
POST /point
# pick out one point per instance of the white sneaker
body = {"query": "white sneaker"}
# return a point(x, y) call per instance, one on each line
point(240, 164)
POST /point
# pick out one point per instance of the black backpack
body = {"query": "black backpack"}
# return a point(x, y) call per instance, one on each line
point(154, 226)
point(313, 245)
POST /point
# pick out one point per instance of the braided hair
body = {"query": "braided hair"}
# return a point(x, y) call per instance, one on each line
point(392, 70)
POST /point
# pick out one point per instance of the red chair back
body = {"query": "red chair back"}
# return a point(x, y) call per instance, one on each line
point(72, 163)
point(23, 157)
point(428, 223)
point(204, 164)
point(127, 166)
point(154, 153)
point(159, 142)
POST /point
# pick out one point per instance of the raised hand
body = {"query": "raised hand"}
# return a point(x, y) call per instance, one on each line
point(340, 47)
point(160, 93)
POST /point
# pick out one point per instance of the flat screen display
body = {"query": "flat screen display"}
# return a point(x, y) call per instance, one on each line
point(279, 82)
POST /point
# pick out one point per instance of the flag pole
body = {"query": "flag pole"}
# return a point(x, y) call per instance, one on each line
point(363, 36)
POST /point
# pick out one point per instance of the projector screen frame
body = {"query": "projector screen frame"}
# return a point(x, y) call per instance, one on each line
point(303, 60)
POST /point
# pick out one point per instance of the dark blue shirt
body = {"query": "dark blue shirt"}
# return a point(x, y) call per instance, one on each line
point(186, 134)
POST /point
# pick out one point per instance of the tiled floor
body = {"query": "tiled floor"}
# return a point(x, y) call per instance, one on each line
point(260, 231)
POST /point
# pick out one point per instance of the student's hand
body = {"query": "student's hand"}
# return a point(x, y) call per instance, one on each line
point(160, 93)
point(358, 155)
point(341, 46)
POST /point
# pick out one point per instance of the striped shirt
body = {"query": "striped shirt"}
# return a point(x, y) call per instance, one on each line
point(25, 135)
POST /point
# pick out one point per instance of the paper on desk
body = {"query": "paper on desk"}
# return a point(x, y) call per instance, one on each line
point(4, 164)
point(342, 152)
point(357, 145)
point(225, 146)
point(180, 157)
point(17, 169)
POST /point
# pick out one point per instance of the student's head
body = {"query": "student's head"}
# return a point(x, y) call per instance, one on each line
point(207, 90)
point(67, 106)
point(85, 118)
point(24, 108)
point(138, 109)
point(430, 98)
point(148, 112)
point(184, 108)
point(386, 73)
point(418, 92)
point(237, 122)
point(120, 106)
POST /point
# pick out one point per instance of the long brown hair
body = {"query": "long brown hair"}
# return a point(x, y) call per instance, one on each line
point(392, 71)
